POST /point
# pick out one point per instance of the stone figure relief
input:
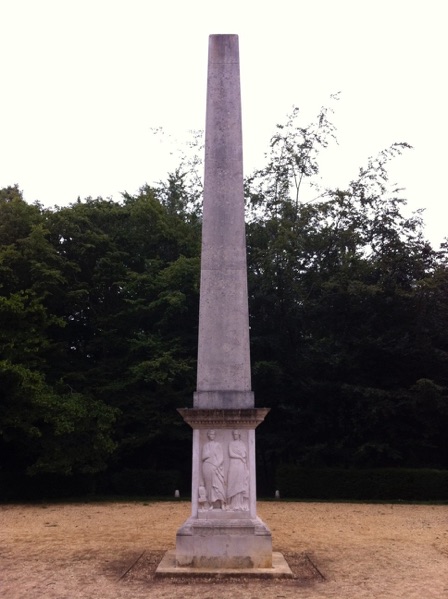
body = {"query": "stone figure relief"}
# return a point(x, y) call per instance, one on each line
point(213, 472)
point(224, 483)
point(238, 475)
point(202, 499)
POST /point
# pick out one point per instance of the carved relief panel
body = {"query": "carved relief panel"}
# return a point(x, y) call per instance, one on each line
point(224, 470)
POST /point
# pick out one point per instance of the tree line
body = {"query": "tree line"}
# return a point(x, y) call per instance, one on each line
point(348, 312)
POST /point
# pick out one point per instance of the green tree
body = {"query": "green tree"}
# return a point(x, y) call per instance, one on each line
point(131, 314)
point(340, 310)
point(44, 427)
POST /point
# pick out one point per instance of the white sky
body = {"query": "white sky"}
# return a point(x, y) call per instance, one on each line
point(83, 82)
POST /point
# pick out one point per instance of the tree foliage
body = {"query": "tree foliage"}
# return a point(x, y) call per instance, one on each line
point(98, 335)
point(343, 321)
point(348, 309)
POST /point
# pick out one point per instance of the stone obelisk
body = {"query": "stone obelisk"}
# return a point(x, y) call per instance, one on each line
point(223, 530)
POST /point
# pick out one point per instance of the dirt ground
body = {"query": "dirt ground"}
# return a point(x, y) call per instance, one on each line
point(111, 550)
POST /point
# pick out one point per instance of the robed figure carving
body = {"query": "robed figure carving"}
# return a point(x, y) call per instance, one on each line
point(213, 472)
point(238, 475)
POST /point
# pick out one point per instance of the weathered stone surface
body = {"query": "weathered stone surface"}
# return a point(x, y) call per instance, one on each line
point(223, 344)
point(224, 398)
point(219, 418)
point(169, 568)
point(226, 543)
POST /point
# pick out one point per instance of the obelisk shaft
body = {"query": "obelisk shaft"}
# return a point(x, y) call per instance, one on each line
point(223, 376)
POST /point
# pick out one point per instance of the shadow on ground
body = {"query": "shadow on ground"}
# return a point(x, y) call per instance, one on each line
point(140, 569)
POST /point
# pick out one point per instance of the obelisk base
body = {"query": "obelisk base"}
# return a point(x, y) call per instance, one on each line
point(224, 531)
point(224, 543)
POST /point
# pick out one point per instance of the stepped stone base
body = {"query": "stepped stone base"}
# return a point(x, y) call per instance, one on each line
point(169, 568)
point(224, 544)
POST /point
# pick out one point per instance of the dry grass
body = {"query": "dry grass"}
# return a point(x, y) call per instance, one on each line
point(110, 551)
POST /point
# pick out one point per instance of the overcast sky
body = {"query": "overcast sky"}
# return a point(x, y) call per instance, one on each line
point(84, 82)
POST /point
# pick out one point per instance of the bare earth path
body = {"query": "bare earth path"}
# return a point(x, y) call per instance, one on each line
point(110, 551)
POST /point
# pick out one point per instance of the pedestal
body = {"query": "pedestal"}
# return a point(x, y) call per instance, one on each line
point(224, 531)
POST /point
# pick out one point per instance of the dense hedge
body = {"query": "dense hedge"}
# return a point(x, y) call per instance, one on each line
point(376, 484)
point(154, 483)
point(17, 486)
point(293, 483)
point(131, 482)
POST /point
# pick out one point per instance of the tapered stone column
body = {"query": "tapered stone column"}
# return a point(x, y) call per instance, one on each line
point(223, 379)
